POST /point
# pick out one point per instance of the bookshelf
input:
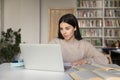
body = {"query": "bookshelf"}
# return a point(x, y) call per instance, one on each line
point(99, 21)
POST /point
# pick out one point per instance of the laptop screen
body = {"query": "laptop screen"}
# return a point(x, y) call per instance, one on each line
point(42, 56)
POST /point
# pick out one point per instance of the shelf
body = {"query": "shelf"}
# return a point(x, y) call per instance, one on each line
point(115, 17)
point(88, 18)
point(90, 27)
point(89, 8)
point(112, 27)
point(111, 7)
point(91, 37)
point(99, 20)
point(111, 37)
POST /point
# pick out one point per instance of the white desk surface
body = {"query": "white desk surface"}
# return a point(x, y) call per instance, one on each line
point(11, 73)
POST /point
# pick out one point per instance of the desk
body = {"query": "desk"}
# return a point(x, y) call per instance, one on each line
point(19, 73)
point(116, 51)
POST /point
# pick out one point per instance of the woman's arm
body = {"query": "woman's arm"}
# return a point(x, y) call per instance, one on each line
point(91, 55)
point(94, 56)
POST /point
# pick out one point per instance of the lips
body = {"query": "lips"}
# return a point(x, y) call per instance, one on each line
point(65, 36)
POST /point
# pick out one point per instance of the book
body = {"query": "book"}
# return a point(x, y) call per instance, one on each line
point(106, 3)
point(95, 72)
point(93, 75)
point(107, 75)
point(99, 4)
point(107, 67)
point(115, 3)
point(84, 75)
point(94, 67)
point(86, 67)
point(109, 42)
point(97, 42)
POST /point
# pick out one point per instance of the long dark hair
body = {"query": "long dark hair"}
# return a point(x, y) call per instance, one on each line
point(70, 19)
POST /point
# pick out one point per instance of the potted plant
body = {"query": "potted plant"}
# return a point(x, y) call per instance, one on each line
point(9, 45)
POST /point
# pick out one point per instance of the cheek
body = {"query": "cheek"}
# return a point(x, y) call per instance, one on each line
point(61, 31)
point(72, 32)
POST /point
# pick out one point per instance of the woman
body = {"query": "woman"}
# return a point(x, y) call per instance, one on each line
point(117, 44)
point(75, 50)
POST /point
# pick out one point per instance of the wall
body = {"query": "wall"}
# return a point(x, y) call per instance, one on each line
point(45, 6)
point(0, 17)
point(24, 14)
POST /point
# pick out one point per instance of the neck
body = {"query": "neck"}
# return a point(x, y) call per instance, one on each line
point(71, 40)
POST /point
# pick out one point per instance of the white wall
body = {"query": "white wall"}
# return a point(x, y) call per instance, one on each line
point(45, 6)
point(0, 17)
point(24, 14)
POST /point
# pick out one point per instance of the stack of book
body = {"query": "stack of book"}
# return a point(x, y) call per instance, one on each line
point(95, 72)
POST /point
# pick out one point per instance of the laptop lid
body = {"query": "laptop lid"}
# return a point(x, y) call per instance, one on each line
point(42, 57)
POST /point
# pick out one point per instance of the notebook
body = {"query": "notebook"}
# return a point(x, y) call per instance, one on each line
point(46, 57)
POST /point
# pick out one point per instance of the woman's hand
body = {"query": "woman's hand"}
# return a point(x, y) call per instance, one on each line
point(79, 62)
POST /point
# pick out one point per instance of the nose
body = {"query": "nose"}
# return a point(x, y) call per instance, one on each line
point(64, 31)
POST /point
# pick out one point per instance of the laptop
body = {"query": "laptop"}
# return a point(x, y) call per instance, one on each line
point(46, 57)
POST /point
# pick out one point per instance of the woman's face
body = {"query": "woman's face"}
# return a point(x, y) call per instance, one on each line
point(67, 31)
point(117, 44)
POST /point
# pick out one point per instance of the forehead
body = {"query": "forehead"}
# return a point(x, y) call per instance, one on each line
point(64, 24)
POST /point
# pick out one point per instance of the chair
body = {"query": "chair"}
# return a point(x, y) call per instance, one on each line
point(108, 57)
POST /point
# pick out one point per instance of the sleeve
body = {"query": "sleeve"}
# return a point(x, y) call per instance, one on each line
point(94, 56)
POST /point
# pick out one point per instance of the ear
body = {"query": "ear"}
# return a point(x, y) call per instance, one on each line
point(75, 29)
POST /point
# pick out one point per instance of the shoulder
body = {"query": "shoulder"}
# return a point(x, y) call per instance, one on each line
point(84, 42)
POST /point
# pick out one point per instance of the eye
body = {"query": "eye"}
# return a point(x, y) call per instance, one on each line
point(61, 28)
point(67, 28)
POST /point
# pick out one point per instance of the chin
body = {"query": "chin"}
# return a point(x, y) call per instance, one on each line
point(67, 39)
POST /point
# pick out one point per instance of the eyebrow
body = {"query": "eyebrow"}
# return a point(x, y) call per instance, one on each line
point(66, 26)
